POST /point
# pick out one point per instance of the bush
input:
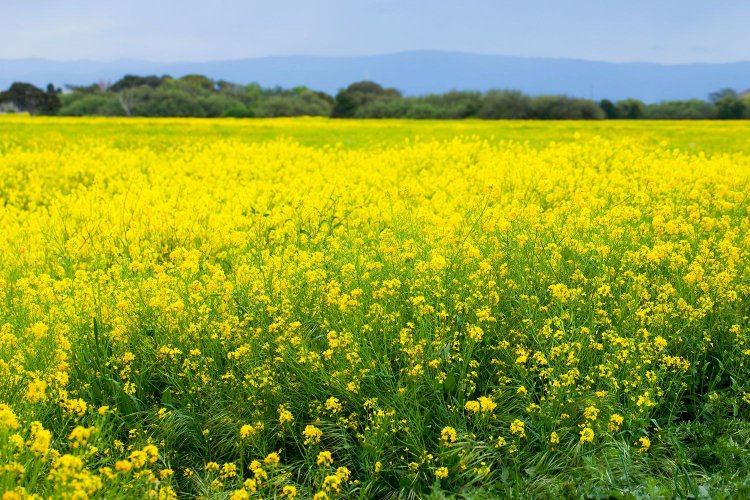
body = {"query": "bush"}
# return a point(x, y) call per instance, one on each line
point(29, 98)
point(631, 109)
point(216, 105)
point(557, 107)
point(694, 109)
point(505, 104)
point(167, 102)
point(729, 108)
point(306, 104)
point(611, 111)
point(360, 94)
point(396, 108)
point(103, 104)
point(455, 104)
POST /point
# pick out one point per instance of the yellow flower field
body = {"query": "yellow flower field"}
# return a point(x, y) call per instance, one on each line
point(331, 309)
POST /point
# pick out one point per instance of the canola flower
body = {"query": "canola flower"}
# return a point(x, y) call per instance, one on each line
point(324, 459)
point(212, 309)
point(587, 435)
point(448, 435)
point(644, 443)
point(312, 435)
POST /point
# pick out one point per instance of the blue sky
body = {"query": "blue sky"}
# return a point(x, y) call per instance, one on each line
point(665, 31)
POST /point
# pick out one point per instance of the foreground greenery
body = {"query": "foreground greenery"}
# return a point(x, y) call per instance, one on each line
point(347, 309)
point(198, 96)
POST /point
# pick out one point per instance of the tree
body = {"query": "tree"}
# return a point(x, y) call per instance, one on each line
point(393, 108)
point(359, 94)
point(132, 81)
point(94, 88)
point(505, 104)
point(730, 108)
point(631, 109)
point(560, 107)
point(728, 104)
point(127, 99)
point(307, 103)
point(29, 98)
point(694, 109)
point(454, 104)
point(611, 112)
point(166, 101)
point(225, 87)
point(198, 84)
point(131, 89)
point(90, 104)
point(721, 94)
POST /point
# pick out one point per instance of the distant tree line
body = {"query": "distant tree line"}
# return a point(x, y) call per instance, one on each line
point(199, 96)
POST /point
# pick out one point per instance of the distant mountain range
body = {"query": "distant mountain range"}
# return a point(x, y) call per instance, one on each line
point(416, 73)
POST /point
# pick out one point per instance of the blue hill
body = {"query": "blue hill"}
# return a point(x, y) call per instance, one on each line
point(417, 73)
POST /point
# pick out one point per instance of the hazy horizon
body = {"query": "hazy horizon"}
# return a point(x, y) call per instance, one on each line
point(374, 54)
point(669, 32)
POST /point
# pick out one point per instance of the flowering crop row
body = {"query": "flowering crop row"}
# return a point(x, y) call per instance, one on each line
point(183, 314)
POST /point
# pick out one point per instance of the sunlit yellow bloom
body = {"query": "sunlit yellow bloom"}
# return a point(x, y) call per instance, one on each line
point(448, 435)
point(487, 404)
point(644, 444)
point(40, 439)
point(554, 438)
point(285, 416)
point(518, 427)
point(247, 431)
point(587, 435)
point(324, 458)
point(37, 391)
point(472, 406)
point(7, 417)
point(615, 421)
point(591, 413)
point(312, 435)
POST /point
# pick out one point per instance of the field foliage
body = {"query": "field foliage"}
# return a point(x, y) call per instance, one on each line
point(373, 309)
